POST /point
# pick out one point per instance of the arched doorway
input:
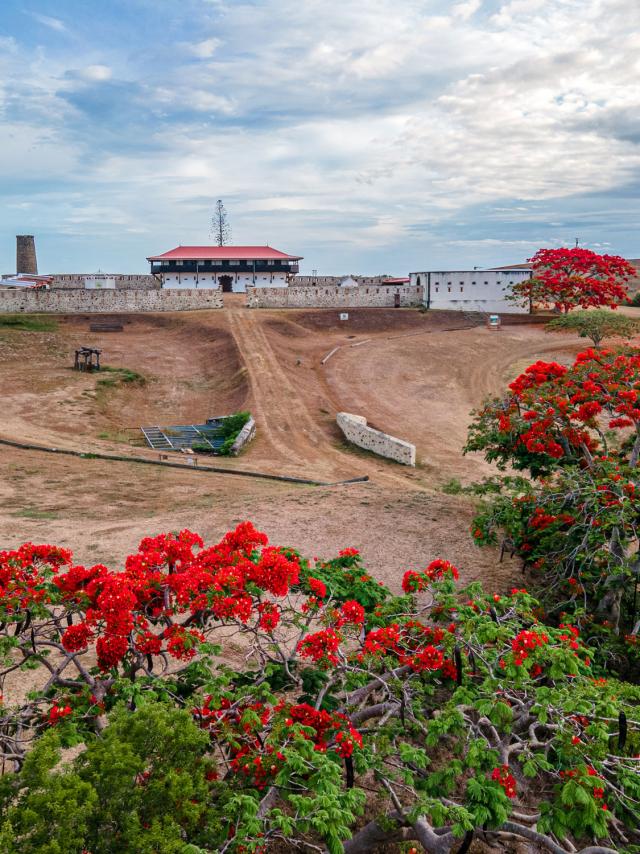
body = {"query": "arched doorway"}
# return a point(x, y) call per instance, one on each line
point(226, 283)
point(418, 281)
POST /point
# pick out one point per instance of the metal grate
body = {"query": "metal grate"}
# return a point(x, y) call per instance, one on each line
point(180, 436)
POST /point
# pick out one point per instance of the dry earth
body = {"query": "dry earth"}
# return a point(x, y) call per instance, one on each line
point(414, 375)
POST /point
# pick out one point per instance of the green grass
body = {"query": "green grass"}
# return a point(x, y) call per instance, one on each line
point(32, 513)
point(28, 322)
point(116, 377)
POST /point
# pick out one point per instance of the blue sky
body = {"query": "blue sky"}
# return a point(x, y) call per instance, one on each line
point(367, 135)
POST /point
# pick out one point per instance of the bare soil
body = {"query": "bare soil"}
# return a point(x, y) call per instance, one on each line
point(412, 374)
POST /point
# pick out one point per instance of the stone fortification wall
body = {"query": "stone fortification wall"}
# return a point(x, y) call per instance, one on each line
point(111, 280)
point(375, 296)
point(319, 281)
point(356, 430)
point(72, 301)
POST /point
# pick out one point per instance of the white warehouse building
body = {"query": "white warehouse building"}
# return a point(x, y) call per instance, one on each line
point(472, 290)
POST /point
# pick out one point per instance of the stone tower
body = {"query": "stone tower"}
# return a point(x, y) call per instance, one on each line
point(26, 254)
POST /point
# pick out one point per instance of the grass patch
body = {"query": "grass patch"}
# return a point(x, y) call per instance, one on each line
point(32, 513)
point(452, 487)
point(28, 322)
point(118, 376)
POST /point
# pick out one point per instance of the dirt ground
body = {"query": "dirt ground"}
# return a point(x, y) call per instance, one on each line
point(415, 375)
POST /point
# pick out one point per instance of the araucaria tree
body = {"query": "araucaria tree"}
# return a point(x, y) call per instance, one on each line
point(568, 278)
point(220, 228)
point(576, 431)
point(239, 698)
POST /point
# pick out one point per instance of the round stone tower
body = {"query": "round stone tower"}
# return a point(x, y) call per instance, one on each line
point(26, 254)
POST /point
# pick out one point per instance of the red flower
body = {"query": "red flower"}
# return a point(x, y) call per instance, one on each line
point(77, 638)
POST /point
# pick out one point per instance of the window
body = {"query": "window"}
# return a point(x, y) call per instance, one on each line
point(437, 283)
point(473, 283)
point(437, 290)
point(179, 263)
point(449, 290)
point(270, 263)
point(462, 283)
point(448, 283)
point(234, 263)
point(461, 288)
point(216, 263)
point(486, 283)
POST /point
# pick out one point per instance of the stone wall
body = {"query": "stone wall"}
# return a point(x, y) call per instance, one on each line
point(356, 430)
point(110, 280)
point(247, 433)
point(321, 281)
point(375, 296)
point(106, 301)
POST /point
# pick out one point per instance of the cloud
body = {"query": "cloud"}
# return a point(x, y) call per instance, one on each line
point(96, 73)
point(48, 21)
point(204, 49)
point(359, 134)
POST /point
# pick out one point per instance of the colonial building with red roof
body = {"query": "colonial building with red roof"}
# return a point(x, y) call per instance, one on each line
point(230, 268)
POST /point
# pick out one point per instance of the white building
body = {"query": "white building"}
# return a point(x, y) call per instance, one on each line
point(231, 268)
point(471, 290)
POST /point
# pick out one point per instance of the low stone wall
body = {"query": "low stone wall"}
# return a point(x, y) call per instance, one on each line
point(109, 280)
point(243, 438)
point(374, 296)
point(323, 281)
point(356, 430)
point(82, 301)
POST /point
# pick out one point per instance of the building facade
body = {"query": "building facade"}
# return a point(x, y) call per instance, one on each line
point(230, 268)
point(472, 290)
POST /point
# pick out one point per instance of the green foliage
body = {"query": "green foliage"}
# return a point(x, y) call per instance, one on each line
point(28, 322)
point(118, 376)
point(596, 324)
point(228, 431)
point(138, 789)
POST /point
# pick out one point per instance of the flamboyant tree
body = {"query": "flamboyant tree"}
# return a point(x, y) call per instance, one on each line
point(238, 697)
point(568, 278)
point(576, 431)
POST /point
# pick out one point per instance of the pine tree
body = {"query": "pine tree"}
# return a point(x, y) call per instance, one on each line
point(220, 228)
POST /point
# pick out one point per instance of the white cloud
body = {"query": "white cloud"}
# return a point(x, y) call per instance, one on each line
point(204, 49)
point(50, 22)
point(343, 122)
point(96, 73)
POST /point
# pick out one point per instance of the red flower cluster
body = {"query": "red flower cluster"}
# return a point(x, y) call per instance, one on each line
point(524, 642)
point(77, 638)
point(321, 647)
point(414, 582)
point(58, 713)
point(504, 778)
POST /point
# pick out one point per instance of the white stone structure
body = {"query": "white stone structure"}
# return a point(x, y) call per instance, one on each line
point(356, 430)
point(472, 290)
point(230, 268)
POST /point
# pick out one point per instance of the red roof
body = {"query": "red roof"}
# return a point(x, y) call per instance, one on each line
point(224, 253)
point(396, 281)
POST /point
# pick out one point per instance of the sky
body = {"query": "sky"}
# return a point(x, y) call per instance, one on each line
point(369, 136)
